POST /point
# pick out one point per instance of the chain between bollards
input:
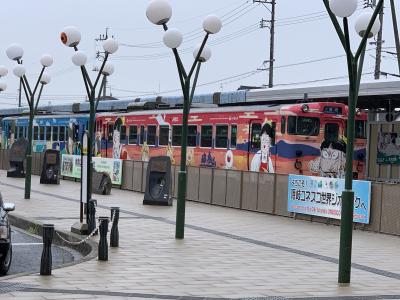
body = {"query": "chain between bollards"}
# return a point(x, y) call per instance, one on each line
point(46, 261)
point(114, 235)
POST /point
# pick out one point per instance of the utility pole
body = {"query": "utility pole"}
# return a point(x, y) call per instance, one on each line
point(271, 26)
point(100, 57)
point(379, 43)
point(395, 31)
point(19, 92)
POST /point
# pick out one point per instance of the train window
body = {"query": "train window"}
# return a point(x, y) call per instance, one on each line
point(163, 135)
point(331, 131)
point(303, 126)
point(48, 133)
point(192, 136)
point(61, 136)
point(221, 136)
point(123, 135)
point(16, 132)
point(176, 135)
point(35, 133)
point(360, 129)
point(233, 136)
point(256, 135)
point(206, 136)
point(55, 133)
point(41, 133)
point(20, 132)
point(151, 135)
point(141, 135)
point(283, 124)
point(110, 132)
point(132, 135)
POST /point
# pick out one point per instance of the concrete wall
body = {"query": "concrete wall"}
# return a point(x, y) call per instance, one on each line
point(258, 192)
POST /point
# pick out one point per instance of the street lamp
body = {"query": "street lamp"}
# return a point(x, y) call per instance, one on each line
point(367, 25)
point(70, 37)
point(15, 52)
point(3, 73)
point(159, 12)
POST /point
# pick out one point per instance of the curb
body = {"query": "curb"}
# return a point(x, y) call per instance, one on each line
point(88, 249)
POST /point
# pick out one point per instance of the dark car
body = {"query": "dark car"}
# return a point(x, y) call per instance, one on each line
point(5, 237)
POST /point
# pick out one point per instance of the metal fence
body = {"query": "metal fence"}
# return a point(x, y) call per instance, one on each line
point(258, 192)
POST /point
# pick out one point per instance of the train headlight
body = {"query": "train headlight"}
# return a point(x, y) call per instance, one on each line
point(305, 108)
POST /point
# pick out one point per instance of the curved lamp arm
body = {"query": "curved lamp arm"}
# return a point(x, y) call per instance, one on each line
point(198, 55)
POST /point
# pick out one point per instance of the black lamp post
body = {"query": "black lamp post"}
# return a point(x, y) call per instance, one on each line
point(367, 25)
point(15, 52)
point(159, 12)
point(71, 37)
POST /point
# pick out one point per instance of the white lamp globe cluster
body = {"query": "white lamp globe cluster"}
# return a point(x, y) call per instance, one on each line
point(3, 72)
point(159, 12)
point(345, 8)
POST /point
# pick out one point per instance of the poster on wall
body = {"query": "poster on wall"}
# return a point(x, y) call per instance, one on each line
point(322, 196)
point(388, 148)
point(71, 167)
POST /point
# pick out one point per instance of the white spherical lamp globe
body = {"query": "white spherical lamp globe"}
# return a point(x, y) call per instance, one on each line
point(173, 38)
point(205, 54)
point(110, 45)
point(3, 71)
point(363, 22)
point(159, 11)
point(46, 60)
point(79, 58)
point(45, 79)
point(343, 8)
point(212, 24)
point(3, 86)
point(19, 71)
point(14, 52)
point(108, 69)
point(70, 36)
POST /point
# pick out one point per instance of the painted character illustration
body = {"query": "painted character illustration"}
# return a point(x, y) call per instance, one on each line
point(229, 159)
point(332, 161)
point(145, 152)
point(190, 157)
point(262, 161)
point(117, 139)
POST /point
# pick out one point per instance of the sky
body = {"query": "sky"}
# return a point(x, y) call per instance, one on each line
point(307, 49)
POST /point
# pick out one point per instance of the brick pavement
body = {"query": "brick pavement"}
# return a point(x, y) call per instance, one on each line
point(226, 253)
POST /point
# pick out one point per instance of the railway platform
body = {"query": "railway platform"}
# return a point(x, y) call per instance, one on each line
point(226, 253)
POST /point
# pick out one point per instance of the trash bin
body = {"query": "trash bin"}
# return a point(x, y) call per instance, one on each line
point(158, 181)
point(51, 167)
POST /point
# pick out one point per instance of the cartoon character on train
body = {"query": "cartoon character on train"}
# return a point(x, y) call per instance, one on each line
point(262, 161)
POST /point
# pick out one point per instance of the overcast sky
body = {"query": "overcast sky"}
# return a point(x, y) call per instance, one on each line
point(144, 65)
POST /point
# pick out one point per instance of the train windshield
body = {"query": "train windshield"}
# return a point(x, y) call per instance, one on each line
point(303, 126)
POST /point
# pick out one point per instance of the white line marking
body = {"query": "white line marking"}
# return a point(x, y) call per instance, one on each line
point(26, 244)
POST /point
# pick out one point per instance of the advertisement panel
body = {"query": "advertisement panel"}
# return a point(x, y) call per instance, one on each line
point(388, 148)
point(322, 196)
point(71, 167)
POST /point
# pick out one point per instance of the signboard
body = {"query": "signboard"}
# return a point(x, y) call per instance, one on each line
point(322, 196)
point(388, 148)
point(71, 167)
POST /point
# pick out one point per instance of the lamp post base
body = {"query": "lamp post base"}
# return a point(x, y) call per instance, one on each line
point(80, 228)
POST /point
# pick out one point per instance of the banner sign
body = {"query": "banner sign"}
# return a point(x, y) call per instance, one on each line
point(71, 167)
point(388, 148)
point(322, 196)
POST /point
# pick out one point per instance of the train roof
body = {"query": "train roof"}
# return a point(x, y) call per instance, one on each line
point(375, 94)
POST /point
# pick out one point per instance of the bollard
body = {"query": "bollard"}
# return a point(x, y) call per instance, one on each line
point(46, 262)
point(91, 217)
point(114, 235)
point(103, 244)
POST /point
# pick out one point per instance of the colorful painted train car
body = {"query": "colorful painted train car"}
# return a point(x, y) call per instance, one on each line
point(63, 132)
point(304, 139)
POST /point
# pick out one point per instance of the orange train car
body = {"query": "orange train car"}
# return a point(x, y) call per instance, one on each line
point(307, 139)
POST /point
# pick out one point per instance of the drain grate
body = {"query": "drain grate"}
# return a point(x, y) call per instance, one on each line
point(9, 287)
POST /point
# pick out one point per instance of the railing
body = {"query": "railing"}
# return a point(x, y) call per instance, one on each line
point(258, 192)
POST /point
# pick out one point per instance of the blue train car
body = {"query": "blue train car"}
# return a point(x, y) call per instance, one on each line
point(62, 132)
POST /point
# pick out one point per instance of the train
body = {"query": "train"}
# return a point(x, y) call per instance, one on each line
point(300, 138)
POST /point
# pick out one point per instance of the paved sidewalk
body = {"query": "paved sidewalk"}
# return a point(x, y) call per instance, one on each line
point(226, 253)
